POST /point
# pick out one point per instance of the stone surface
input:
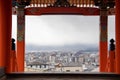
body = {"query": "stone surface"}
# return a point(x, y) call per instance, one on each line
point(2, 74)
point(1, 71)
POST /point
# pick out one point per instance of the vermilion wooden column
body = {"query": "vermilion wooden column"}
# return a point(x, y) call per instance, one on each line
point(20, 38)
point(112, 61)
point(103, 48)
point(117, 16)
point(13, 61)
point(5, 33)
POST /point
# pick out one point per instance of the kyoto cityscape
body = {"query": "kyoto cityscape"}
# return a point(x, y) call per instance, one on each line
point(59, 39)
point(59, 61)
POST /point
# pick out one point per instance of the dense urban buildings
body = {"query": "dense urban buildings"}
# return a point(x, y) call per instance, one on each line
point(60, 61)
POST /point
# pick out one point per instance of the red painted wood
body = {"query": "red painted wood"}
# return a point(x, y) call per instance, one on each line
point(20, 55)
point(28, 11)
point(112, 61)
point(103, 56)
point(20, 39)
point(13, 62)
point(103, 45)
point(5, 33)
point(117, 36)
point(62, 10)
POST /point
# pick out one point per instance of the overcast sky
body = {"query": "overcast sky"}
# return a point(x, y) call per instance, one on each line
point(63, 29)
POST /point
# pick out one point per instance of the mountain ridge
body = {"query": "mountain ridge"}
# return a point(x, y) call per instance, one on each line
point(75, 47)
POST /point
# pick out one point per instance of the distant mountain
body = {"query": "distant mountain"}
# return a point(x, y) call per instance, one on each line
point(73, 48)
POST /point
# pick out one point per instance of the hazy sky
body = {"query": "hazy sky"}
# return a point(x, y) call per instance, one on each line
point(63, 29)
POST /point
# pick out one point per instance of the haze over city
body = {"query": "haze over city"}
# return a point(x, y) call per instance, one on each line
point(63, 30)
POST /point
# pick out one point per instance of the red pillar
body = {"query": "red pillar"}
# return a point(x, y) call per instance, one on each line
point(13, 66)
point(20, 38)
point(5, 33)
point(103, 46)
point(117, 17)
point(112, 61)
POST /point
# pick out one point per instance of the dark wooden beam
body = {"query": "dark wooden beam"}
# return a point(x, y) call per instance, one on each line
point(63, 76)
point(87, 11)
